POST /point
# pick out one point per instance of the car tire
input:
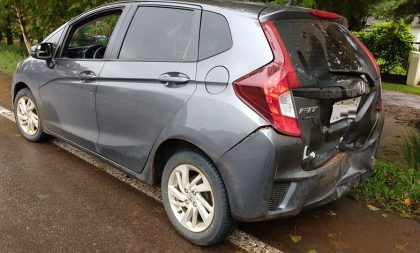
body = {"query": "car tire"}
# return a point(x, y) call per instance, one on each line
point(203, 233)
point(27, 116)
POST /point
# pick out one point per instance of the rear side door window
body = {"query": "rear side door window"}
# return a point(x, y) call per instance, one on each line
point(215, 35)
point(162, 34)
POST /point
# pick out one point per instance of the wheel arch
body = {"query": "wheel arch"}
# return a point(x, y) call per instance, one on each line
point(166, 149)
point(16, 88)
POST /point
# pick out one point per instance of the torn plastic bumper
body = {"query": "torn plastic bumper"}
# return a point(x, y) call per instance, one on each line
point(265, 179)
point(330, 182)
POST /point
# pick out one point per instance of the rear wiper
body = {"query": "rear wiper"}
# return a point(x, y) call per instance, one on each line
point(355, 72)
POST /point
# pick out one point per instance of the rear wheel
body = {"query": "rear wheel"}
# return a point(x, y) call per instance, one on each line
point(195, 198)
point(27, 116)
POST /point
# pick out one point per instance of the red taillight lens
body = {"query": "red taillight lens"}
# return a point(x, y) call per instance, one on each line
point(369, 54)
point(324, 14)
point(268, 89)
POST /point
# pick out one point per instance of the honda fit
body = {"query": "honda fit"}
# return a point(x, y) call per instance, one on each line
point(239, 111)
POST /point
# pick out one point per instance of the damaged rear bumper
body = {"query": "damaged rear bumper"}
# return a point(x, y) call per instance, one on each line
point(265, 179)
point(333, 180)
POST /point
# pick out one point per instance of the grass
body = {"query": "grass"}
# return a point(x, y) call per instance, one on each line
point(9, 57)
point(393, 189)
point(410, 147)
point(401, 88)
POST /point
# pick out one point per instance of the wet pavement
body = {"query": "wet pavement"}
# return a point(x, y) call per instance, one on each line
point(52, 201)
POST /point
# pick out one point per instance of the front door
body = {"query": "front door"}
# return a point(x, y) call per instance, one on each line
point(68, 91)
point(151, 78)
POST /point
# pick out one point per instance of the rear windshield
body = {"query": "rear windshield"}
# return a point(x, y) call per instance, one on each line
point(317, 46)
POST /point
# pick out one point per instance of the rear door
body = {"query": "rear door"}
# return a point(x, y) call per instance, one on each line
point(151, 76)
point(340, 88)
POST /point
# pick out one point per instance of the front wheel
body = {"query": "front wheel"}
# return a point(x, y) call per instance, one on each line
point(195, 198)
point(27, 116)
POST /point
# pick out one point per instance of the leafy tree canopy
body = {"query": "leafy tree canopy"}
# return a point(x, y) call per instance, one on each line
point(408, 8)
point(390, 43)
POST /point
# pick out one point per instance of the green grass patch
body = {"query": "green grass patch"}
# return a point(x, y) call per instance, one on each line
point(410, 147)
point(401, 88)
point(9, 57)
point(393, 189)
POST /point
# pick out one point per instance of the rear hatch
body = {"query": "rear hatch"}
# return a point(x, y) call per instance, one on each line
point(338, 102)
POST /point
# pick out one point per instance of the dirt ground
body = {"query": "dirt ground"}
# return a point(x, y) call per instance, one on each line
point(402, 115)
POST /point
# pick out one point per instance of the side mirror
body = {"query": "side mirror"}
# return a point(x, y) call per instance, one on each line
point(43, 51)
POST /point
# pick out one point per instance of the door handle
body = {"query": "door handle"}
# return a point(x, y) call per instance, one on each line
point(174, 79)
point(87, 76)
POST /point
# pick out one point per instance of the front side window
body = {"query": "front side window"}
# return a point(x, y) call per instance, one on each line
point(161, 34)
point(90, 39)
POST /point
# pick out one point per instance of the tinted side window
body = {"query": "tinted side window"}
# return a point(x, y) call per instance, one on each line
point(215, 36)
point(89, 39)
point(161, 34)
point(97, 32)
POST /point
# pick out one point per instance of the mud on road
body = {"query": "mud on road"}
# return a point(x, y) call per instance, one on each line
point(50, 200)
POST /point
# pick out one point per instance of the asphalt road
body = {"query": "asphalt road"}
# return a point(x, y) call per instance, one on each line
point(54, 201)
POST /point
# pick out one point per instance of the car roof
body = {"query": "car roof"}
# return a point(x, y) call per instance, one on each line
point(241, 6)
point(252, 8)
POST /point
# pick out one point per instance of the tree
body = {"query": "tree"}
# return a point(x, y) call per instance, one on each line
point(35, 19)
point(5, 24)
point(22, 24)
point(390, 43)
point(385, 9)
point(408, 8)
point(396, 9)
point(14, 7)
point(356, 11)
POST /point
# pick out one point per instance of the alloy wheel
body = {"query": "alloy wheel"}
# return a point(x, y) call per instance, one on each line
point(27, 116)
point(191, 198)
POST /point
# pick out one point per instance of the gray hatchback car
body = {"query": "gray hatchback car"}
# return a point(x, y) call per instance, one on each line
point(241, 112)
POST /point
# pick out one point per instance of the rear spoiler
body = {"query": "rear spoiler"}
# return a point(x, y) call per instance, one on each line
point(278, 13)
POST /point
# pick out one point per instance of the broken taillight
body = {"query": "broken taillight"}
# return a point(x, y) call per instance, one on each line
point(268, 90)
